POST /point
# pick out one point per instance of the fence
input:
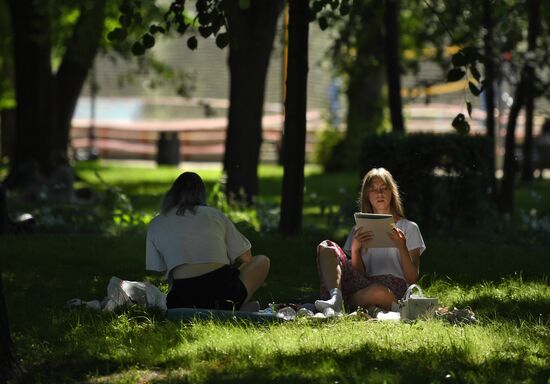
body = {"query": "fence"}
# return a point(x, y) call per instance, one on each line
point(199, 139)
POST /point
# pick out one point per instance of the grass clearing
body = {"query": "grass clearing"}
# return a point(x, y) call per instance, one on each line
point(502, 278)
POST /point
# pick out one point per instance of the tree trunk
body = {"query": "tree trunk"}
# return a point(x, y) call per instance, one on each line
point(294, 139)
point(489, 67)
point(7, 132)
point(46, 103)
point(6, 344)
point(506, 198)
point(393, 68)
point(366, 79)
point(252, 33)
point(3, 211)
point(35, 113)
point(77, 61)
point(532, 35)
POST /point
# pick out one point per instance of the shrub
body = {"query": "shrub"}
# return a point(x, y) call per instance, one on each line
point(324, 153)
point(444, 178)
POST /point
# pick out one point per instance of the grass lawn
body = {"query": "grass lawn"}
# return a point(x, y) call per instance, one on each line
point(498, 271)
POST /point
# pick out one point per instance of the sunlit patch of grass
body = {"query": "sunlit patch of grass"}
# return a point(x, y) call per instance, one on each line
point(344, 350)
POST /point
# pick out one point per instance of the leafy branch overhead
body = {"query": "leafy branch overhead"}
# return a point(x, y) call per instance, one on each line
point(465, 61)
point(209, 21)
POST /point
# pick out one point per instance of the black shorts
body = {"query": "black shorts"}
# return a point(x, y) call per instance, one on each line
point(219, 289)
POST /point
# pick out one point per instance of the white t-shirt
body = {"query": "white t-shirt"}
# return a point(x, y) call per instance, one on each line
point(387, 261)
point(207, 236)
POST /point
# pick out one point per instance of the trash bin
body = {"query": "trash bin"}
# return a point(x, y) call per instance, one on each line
point(168, 149)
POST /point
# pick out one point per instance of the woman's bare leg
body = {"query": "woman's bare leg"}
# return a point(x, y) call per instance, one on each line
point(254, 273)
point(375, 294)
point(330, 273)
point(330, 269)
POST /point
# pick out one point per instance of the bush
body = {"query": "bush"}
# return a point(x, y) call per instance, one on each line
point(444, 178)
point(324, 153)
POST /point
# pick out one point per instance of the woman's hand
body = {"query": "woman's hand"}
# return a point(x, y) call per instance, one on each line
point(360, 237)
point(398, 237)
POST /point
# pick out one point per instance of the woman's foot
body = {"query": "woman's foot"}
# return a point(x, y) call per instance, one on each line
point(335, 302)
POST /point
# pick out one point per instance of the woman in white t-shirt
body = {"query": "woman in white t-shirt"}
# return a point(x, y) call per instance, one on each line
point(206, 260)
point(374, 276)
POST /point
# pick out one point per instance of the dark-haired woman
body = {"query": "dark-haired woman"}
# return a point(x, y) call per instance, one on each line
point(206, 260)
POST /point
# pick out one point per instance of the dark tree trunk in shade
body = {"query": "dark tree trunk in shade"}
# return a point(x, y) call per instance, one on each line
point(252, 34)
point(393, 67)
point(506, 196)
point(489, 90)
point(6, 344)
point(294, 138)
point(46, 102)
point(532, 35)
point(77, 62)
point(366, 79)
point(34, 86)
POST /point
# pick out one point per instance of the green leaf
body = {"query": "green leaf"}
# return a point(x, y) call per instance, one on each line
point(205, 31)
point(138, 49)
point(455, 74)
point(156, 28)
point(470, 53)
point(118, 34)
point(205, 18)
point(475, 73)
point(222, 40)
point(460, 124)
point(345, 8)
point(201, 6)
point(323, 23)
point(244, 4)
point(192, 43)
point(316, 6)
point(124, 20)
point(148, 41)
point(334, 4)
point(182, 28)
point(475, 90)
point(125, 8)
point(469, 107)
point(459, 59)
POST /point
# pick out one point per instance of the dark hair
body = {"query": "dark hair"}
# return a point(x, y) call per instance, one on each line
point(186, 193)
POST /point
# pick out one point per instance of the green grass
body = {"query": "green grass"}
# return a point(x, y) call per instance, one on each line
point(502, 278)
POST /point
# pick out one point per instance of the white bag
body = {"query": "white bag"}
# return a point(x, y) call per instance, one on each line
point(123, 292)
point(413, 306)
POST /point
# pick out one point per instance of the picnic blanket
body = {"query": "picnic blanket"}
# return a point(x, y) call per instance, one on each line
point(220, 314)
point(123, 292)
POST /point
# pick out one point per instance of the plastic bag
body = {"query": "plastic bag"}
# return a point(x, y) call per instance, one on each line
point(413, 306)
point(146, 294)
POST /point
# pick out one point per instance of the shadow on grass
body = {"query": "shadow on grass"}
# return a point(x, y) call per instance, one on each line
point(508, 308)
point(71, 370)
point(370, 363)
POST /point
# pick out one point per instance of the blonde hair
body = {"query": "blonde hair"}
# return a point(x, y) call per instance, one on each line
point(396, 204)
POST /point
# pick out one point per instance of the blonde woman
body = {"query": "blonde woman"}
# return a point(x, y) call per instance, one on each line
point(374, 276)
